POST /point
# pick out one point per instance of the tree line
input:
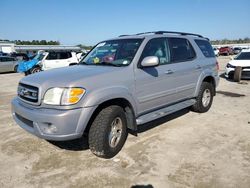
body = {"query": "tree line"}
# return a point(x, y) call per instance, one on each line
point(228, 41)
point(33, 42)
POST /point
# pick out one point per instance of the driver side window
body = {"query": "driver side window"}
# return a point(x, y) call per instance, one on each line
point(157, 47)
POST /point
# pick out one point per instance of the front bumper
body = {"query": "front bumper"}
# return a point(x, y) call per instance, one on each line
point(52, 124)
point(229, 73)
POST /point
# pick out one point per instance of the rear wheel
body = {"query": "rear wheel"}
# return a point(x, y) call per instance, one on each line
point(205, 98)
point(237, 74)
point(108, 132)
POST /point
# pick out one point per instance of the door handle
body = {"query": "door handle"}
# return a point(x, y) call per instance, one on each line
point(169, 72)
point(198, 67)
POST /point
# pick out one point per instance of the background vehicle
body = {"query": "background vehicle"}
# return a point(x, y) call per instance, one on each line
point(236, 50)
point(120, 84)
point(48, 60)
point(20, 56)
point(8, 64)
point(226, 51)
point(242, 60)
point(216, 52)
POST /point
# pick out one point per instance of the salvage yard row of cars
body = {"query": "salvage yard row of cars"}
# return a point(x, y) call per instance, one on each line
point(227, 50)
point(43, 60)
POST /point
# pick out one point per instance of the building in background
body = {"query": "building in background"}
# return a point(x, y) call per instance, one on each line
point(7, 47)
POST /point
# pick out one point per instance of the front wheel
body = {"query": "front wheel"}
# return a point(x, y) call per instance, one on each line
point(35, 70)
point(108, 132)
point(237, 74)
point(205, 98)
point(15, 68)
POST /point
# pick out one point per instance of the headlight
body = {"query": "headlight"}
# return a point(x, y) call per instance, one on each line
point(230, 66)
point(63, 96)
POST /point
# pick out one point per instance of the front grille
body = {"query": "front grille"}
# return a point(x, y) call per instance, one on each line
point(245, 68)
point(24, 120)
point(28, 92)
point(246, 74)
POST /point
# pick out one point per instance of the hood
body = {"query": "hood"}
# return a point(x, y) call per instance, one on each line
point(24, 66)
point(87, 76)
point(241, 63)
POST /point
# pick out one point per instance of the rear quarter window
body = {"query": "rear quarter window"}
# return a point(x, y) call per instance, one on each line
point(205, 47)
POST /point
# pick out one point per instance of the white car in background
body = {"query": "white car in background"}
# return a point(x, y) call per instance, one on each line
point(49, 60)
point(242, 60)
point(216, 52)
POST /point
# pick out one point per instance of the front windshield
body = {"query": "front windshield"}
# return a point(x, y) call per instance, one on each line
point(114, 52)
point(39, 57)
point(243, 56)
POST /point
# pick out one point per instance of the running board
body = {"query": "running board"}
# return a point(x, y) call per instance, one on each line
point(164, 111)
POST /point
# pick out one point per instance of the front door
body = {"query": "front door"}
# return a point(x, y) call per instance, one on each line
point(155, 86)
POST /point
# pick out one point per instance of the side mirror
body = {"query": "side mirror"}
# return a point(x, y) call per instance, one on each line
point(150, 61)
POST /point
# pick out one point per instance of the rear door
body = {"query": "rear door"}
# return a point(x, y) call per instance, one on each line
point(64, 59)
point(3, 64)
point(7, 64)
point(185, 67)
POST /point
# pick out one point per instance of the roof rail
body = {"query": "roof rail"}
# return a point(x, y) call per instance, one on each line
point(180, 33)
point(170, 32)
point(123, 35)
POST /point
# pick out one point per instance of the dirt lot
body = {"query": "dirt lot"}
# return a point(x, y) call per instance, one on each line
point(185, 149)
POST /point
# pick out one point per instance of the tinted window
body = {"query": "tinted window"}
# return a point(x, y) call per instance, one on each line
point(64, 55)
point(5, 59)
point(205, 47)
point(157, 47)
point(243, 56)
point(52, 56)
point(181, 50)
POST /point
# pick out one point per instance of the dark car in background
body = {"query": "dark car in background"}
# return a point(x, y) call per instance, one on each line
point(237, 50)
point(21, 56)
point(226, 50)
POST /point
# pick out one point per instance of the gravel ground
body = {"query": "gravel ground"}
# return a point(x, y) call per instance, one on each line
point(185, 149)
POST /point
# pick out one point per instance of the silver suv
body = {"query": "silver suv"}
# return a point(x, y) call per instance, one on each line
point(120, 84)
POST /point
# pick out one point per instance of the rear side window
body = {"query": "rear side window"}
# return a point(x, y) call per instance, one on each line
point(5, 59)
point(181, 50)
point(205, 47)
point(64, 55)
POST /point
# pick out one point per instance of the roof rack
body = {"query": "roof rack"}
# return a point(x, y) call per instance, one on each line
point(163, 32)
point(180, 33)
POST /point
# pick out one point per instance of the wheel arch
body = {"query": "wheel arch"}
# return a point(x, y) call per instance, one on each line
point(206, 78)
point(122, 102)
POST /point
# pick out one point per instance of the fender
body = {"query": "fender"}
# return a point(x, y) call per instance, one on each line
point(27, 65)
point(203, 75)
point(102, 95)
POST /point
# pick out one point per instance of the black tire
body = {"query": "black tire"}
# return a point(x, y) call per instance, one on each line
point(100, 132)
point(71, 64)
point(237, 74)
point(26, 73)
point(199, 106)
point(35, 70)
point(15, 68)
